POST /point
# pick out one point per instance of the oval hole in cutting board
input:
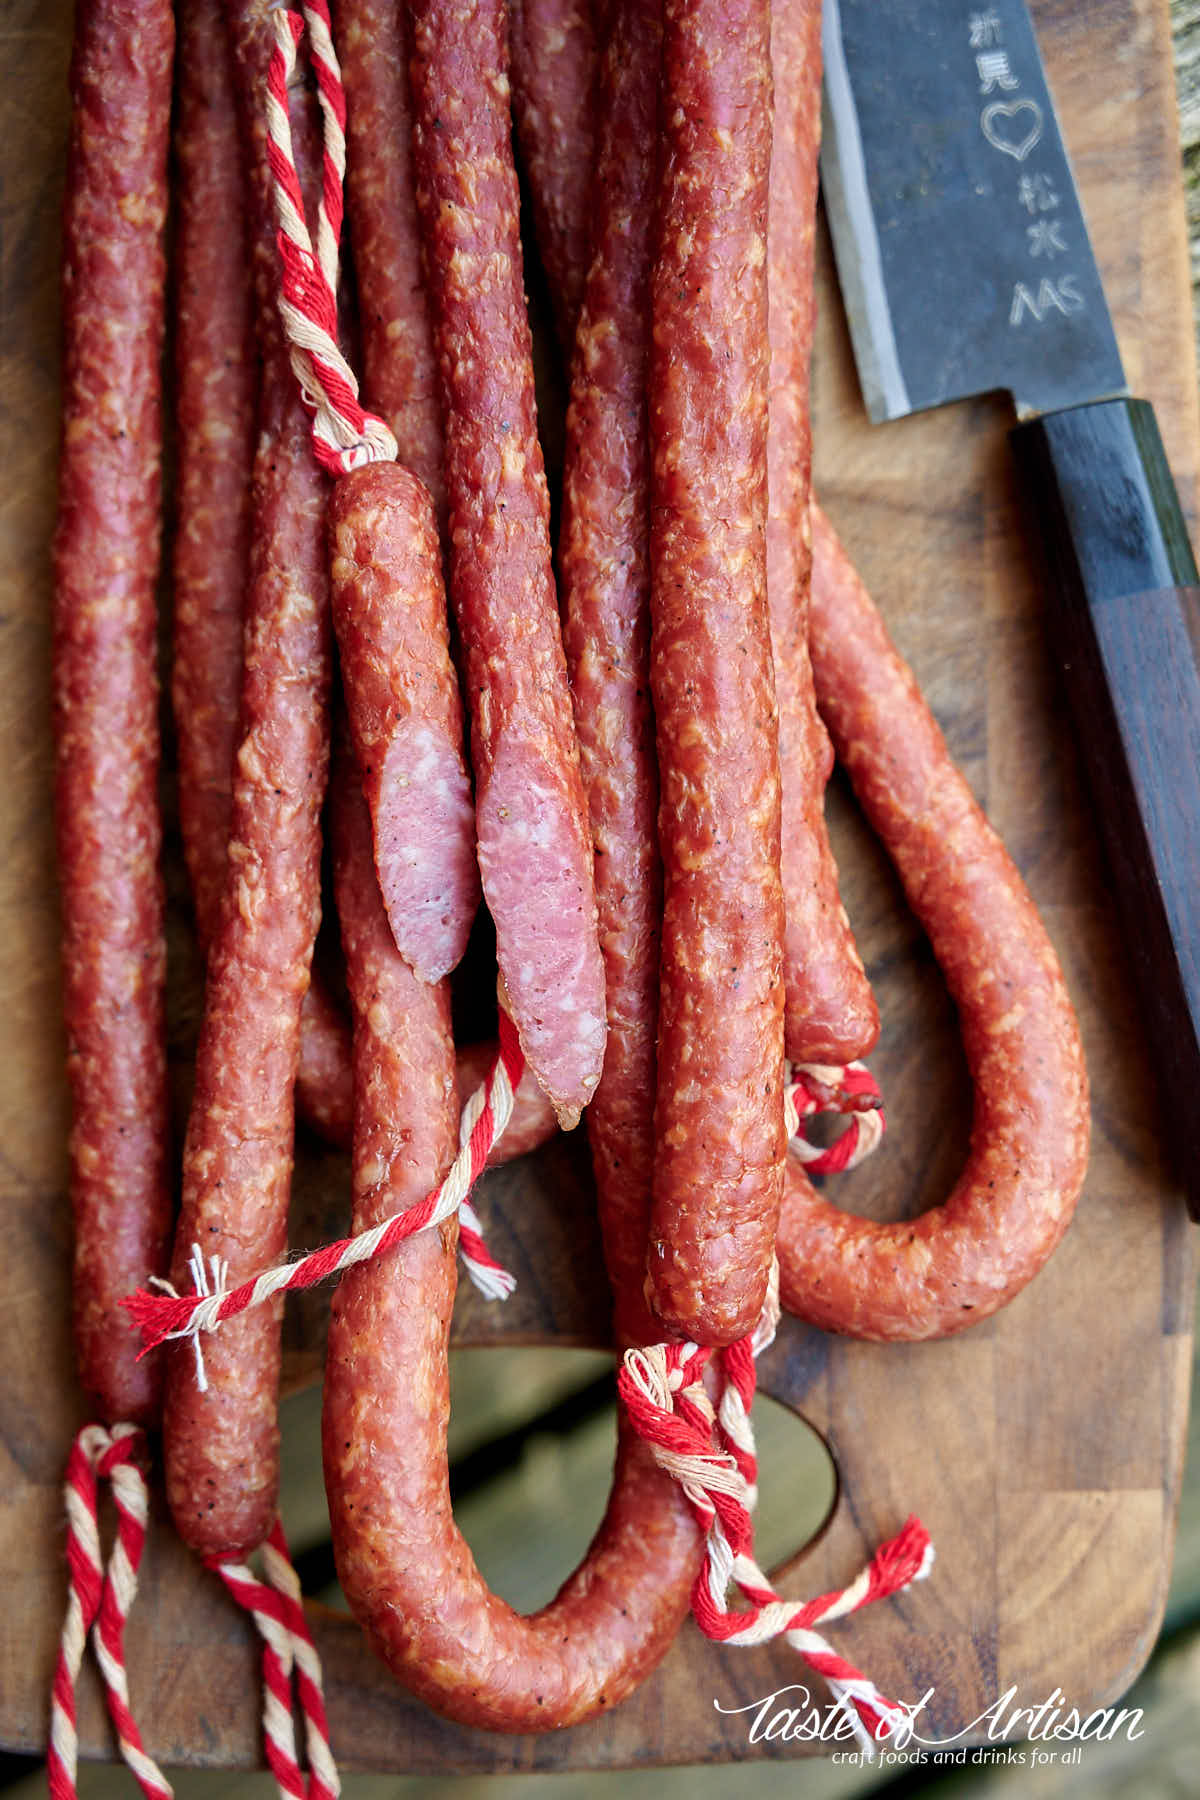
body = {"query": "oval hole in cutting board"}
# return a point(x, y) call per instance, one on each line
point(797, 1483)
point(531, 1523)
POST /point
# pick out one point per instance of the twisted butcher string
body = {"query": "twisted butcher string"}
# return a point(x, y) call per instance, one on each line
point(291, 1670)
point(166, 1315)
point(813, 1088)
point(345, 435)
point(98, 1601)
point(711, 1453)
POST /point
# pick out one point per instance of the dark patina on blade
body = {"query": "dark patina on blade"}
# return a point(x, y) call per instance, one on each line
point(962, 253)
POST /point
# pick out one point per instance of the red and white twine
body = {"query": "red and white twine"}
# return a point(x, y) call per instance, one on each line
point(98, 1601)
point(711, 1453)
point(166, 1315)
point(291, 1670)
point(345, 435)
point(813, 1088)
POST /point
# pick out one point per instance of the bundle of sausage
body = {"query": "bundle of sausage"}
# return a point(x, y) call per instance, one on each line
point(643, 807)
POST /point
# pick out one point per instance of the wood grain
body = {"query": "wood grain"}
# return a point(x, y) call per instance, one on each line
point(1043, 1449)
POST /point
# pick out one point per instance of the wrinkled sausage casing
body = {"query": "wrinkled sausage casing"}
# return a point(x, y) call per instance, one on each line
point(553, 77)
point(535, 851)
point(409, 1576)
point(216, 391)
point(831, 1016)
point(389, 611)
point(221, 1445)
point(938, 1273)
point(604, 556)
point(105, 684)
point(719, 1112)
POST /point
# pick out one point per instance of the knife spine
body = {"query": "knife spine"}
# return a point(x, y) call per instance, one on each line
point(848, 204)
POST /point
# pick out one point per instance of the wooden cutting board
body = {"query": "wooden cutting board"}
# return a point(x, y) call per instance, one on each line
point(1043, 1448)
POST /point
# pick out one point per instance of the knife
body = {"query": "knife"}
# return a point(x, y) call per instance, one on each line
point(965, 267)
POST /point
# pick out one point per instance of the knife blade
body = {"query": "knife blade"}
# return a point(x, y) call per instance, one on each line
point(966, 268)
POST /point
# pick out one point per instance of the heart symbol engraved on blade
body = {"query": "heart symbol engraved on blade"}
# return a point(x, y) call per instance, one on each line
point(992, 120)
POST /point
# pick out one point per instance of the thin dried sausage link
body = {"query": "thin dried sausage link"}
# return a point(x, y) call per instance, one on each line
point(216, 395)
point(535, 852)
point(389, 612)
point(554, 57)
point(830, 1014)
point(221, 1445)
point(719, 1114)
point(216, 388)
point(397, 334)
point(938, 1273)
point(604, 557)
point(409, 1577)
point(105, 684)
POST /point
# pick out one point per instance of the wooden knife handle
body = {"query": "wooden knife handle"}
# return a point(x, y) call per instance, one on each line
point(1123, 617)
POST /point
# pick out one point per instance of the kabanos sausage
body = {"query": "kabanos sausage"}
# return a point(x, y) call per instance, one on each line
point(397, 336)
point(409, 1578)
point(389, 612)
point(216, 388)
point(535, 852)
point(105, 684)
point(221, 1445)
point(604, 557)
point(938, 1273)
point(553, 76)
point(830, 1014)
point(719, 1113)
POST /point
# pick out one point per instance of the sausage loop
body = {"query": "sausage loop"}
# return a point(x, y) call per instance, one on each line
point(710, 1452)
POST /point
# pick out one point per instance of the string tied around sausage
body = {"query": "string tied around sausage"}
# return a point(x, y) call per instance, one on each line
point(161, 1317)
point(710, 1451)
point(818, 1088)
point(99, 1600)
point(345, 435)
point(162, 1314)
point(218, 1266)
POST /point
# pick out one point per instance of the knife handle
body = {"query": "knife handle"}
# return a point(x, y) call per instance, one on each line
point(1123, 619)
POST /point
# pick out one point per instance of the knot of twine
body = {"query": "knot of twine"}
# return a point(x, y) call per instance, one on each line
point(165, 1315)
point(291, 1670)
point(345, 436)
point(812, 1088)
point(710, 1452)
point(98, 1601)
